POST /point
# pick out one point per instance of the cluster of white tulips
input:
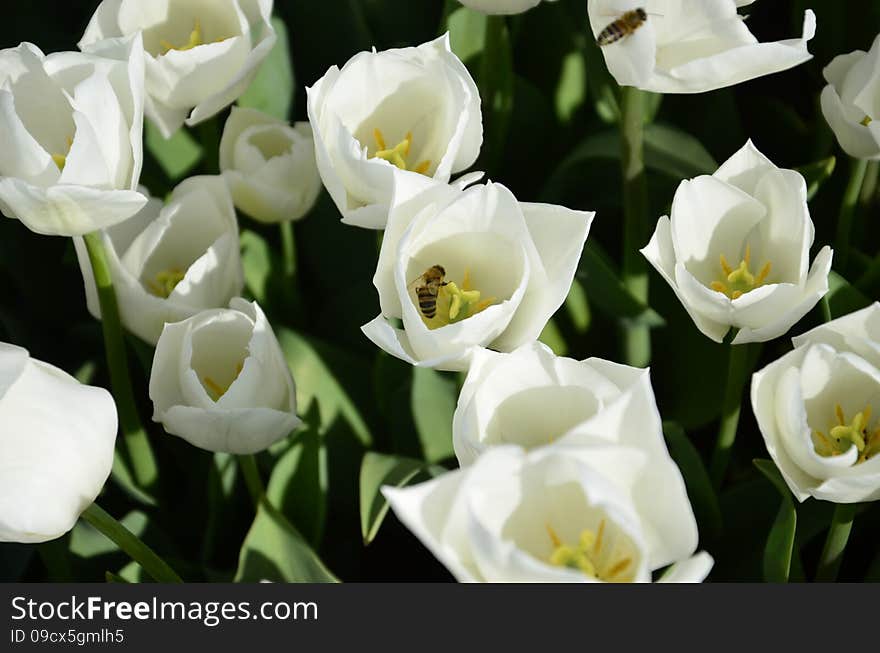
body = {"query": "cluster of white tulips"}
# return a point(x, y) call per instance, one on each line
point(564, 471)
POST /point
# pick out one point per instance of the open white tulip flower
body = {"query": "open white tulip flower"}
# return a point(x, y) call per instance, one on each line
point(851, 101)
point(269, 166)
point(56, 447)
point(201, 55)
point(557, 514)
point(532, 398)
point(221, 382)
point(502, 6)
point(400, 113)
point(691, 46)
point(736, 249)
point(170, 262)
point(814, 409)
point(71, 127)
point(506, 267)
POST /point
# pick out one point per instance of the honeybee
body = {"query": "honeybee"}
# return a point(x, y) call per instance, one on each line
point(430, 283)
point(628, 23)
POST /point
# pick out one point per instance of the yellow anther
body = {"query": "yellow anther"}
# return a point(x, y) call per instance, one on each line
point(398, 154)
point(597, 547)
point(844, 435)
point(739, 280)
point(866, 121)
point(587, 557)
point(60, 160)
point(455, 303)
point(195, 39)
point(216, 390)
point(164, 283)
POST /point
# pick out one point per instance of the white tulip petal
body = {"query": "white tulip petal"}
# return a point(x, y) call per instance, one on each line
point(693, 570)
point(238, 431)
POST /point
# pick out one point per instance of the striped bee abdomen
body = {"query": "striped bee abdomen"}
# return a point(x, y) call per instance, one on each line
point(623, 26)
point(427, 300)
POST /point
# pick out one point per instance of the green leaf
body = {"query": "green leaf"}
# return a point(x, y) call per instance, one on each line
point(176, 155)
point(780, 541)
point(607, 292)
point(553, 338)
point(256, 259)
point(467, 32)
point(298, 485)
point(815, 174)
point(272, 89)
point(571, 91)
point(844, 298)
point(433, 400)
point(378, 470)
point(110, 577)
point(696, 479)
point(496, 83)
point(274, 550)
point(316, 382)
point(577, 307)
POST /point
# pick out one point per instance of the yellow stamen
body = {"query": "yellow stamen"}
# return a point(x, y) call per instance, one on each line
point(739, 280)
point(196, 38)
point(844, 435)
point(866, 121)
point(597, 547)
point(455, 303)
point(398, 154)
point(164, 283)
point(60, 160)
point(215, 390)
point(586, 556)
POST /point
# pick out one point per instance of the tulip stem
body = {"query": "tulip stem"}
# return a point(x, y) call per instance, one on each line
point(858, 168)
point(140, 453)
point(835, 542)
point(636, 337)
point(252, 478)
point(157, 568)
point(739, 367)
point(288, 249)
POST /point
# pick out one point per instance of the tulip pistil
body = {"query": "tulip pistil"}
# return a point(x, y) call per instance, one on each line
point(844, 435)
point(587, 556)
point(61, 159)
point(196, 38)
point(455, 303)
point(164, 283)
point(740, 280)
point(398, 154)
point(216, 390)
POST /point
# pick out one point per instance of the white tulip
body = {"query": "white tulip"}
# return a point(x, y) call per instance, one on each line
point(269, 166)
point(851, 101)
point(501, 6)
point(200, 55)
point(168, 263)
point(692, 46)
point(813, 407)
point(71, 128)
point(507, 265)
point(531, 398)
point(409, 112)
point(56, 447)
point(736, 251)
point(221, 382)
point(558, 514)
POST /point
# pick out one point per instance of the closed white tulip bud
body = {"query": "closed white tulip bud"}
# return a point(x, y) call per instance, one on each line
point(688, 46)
point(170, 262)
point(465, 269)
point(200, 56)
point(561, 514)
point(56, 447)
point(818, 408)
point(269, 166)
point(71, 125)
point(220, 381)
point(501, 6)
point(409, 112)
point(736, 250)
point(851, 101)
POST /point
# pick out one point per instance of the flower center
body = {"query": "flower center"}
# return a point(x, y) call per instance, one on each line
point(844, 435)
point(737, 281)
point(61, 159)
point(452, 303)
point(867, 121)
point(164, 283)
point(196, 38)
point(398, 154)
point(216, 390)
point(587, 557)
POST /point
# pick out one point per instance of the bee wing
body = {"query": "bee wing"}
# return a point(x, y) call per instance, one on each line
point(412, 283)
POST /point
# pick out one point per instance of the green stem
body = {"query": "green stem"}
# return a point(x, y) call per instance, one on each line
point(858, 167)
point(288, 248)
point(739, 366)
point(496, 91)
point(835, 542)
point(825, 304)
point(636, 337)
point(139, 452)
point(252, 478)
point(157, 568)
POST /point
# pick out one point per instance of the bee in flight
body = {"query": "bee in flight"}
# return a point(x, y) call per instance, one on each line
point(431, 282)
point(628, 23)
